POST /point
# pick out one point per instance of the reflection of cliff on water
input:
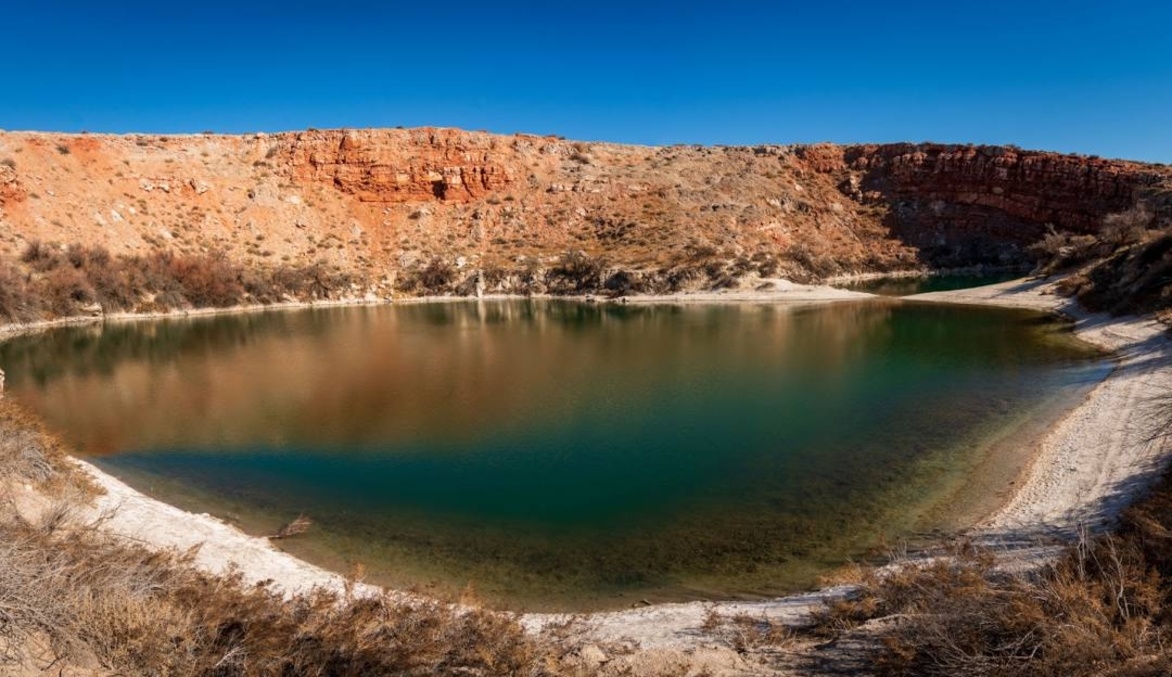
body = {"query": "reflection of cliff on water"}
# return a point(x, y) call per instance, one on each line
point(548, 449)
point(371, 375)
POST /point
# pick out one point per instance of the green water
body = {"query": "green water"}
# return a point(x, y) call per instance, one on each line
point(561, 455)
point(906, 286)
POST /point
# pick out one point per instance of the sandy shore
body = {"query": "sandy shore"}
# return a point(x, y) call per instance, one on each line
point(1100, 455)
point(1084, 471)
point(770, 291)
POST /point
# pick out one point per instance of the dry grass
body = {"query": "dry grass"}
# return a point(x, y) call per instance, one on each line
point(30, 454)
point(1103, 608)
point(130, 611)
point(73, 597)
point(744, 633)
point(1125, 267)
point(51, 281)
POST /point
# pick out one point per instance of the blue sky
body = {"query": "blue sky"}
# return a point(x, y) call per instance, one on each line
point(1075, 76)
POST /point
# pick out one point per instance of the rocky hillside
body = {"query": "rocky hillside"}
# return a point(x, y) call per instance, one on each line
point(448, 211)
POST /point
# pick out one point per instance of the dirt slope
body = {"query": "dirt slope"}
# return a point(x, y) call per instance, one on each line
point(443, 210)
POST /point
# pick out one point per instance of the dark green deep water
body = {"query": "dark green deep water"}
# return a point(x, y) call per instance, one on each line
point(562, 455)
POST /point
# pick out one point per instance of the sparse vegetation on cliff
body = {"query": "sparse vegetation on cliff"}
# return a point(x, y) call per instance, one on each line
point(1125, 267)
point(382, 205)
point(51, 281)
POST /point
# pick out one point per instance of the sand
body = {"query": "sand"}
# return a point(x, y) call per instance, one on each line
point(1096, 459)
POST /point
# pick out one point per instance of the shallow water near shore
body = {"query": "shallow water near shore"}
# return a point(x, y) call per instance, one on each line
point(559, 455)
point(922, 284)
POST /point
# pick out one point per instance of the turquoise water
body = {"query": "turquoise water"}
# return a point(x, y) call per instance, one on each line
point(555, 454)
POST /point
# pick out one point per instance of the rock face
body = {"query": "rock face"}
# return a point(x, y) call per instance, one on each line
point(393, 166)
point(10, 189)
point(493, 208)
point(961, 202)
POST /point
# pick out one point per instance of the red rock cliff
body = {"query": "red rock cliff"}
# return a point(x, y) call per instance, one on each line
point(944, 195)
point(398, 165)
point(385, 202)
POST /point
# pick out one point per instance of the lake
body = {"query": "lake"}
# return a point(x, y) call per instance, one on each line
point(563, 455)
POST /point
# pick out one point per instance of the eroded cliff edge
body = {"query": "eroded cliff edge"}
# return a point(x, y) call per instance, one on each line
point(449, 211)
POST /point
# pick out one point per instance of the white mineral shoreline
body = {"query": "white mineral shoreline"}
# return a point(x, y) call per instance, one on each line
point(1094, 462)
point(1089, 466)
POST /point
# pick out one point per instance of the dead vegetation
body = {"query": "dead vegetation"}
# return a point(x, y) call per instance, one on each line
point(95, 603)
point(30, 455)
point(1125, 267)
point(745, 633)
point(298, 526)
point(1102, 608)
point(52, 281)
point(73, 598)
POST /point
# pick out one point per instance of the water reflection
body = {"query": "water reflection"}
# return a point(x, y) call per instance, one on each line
point(559, 453)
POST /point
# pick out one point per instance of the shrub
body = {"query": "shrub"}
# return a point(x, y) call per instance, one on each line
point(817, 266)
point(575, 272)
point(73, 595)
point(312, 281)
point(1058, 251)
point(208, 280)
point(40, 256)
point(18, 303)
point(1126, 227)
point(65, 280)
point(67, 290)
point(113, 285)
point(435, 277)
point(960, 615)
point(1133, 280)
point(623, 282)
point(1102, 608)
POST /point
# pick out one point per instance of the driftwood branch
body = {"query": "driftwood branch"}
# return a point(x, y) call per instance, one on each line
point(297, 526)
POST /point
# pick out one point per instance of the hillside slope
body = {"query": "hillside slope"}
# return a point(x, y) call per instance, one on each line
point(448, 211)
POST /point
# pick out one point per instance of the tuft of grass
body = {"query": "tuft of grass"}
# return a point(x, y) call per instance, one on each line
point(1101, 609)
point(744, 633)
point(73, 596)
point(30, 454)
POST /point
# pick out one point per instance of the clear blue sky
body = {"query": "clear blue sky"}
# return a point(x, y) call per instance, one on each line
point(1067, 75)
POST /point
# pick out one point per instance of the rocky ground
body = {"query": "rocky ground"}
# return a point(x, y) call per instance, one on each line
point(448, 211)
